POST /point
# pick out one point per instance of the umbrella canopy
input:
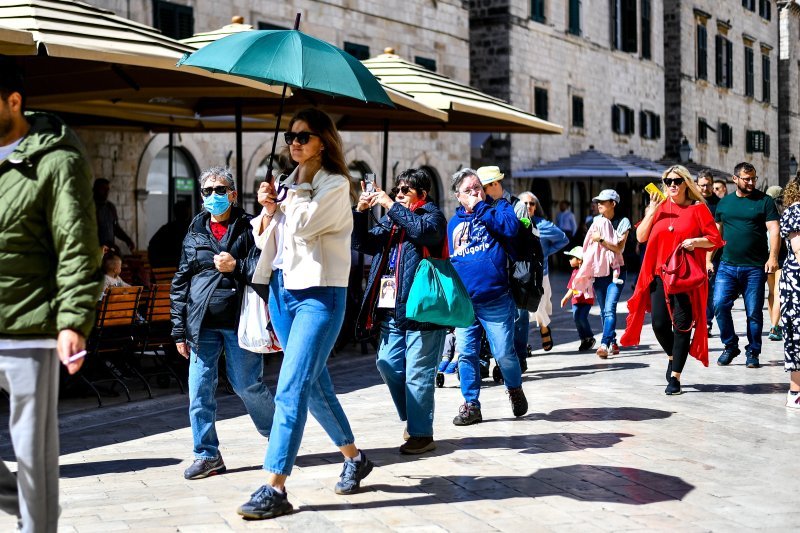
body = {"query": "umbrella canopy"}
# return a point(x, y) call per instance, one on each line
point(467, 108)
point(291, 57)
point(590, 163)
point(91, 55)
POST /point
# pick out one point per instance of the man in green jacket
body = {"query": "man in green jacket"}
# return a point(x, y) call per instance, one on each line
point(50, 281)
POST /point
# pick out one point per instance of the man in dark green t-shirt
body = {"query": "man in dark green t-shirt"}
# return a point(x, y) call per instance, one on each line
point(745, 220)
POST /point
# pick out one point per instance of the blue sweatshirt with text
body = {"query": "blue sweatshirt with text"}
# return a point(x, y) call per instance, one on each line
point(476, 250)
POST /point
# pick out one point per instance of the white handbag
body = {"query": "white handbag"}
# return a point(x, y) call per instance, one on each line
point(255, 331)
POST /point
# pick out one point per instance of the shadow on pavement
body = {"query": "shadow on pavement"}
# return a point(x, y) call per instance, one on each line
point(115, 467)
point(595, 483)
point(577, 371)
point(531, 444)
point(586, 414)
point(749, 388)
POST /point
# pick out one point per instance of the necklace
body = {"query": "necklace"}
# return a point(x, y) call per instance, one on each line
point(671, 227)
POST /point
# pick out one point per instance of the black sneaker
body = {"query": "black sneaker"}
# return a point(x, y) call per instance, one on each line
point(669, 369)
point(674, 386)
point(468, 414)
point(752, 360)
point(352, 474)
point(202, 468)
point(519, 404)
point(266, 502)
point(586, 344)
point(417, 445)
point(727, 356)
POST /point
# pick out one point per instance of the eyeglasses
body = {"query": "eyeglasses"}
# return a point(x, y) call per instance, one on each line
point(669, 182)
point(219, 189)
point(748, 180)
point(302, 137)
point(405, 189)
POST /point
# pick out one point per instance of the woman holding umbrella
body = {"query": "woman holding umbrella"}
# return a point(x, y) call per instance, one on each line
point(304, 233)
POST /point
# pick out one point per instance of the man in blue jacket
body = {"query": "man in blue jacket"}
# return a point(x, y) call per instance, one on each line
point(477, 233)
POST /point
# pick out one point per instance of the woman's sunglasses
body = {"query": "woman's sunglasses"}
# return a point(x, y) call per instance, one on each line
point(302, 137)
point(669, 182)
point(219, 189)
point(405, 189)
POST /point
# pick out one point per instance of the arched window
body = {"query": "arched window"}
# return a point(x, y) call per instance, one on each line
point(436, 181)
point(161, 194)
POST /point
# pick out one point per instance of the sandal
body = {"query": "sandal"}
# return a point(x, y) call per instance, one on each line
point(547, 340)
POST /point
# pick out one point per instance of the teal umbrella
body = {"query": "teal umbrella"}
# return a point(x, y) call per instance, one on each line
point(294, 59)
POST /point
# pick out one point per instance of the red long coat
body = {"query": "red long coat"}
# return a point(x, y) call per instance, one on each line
point(687, 222)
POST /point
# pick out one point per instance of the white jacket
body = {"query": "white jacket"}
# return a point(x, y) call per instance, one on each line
point(317, 221)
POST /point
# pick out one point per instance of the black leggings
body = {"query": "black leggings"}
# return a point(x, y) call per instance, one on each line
point(674, 342)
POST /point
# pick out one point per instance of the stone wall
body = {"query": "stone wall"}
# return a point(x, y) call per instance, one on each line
point(789, 89)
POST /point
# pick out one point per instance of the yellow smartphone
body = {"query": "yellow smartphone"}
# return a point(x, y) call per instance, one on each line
point(653, 188)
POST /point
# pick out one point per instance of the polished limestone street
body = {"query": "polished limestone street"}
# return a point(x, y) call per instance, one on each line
point(602, 448)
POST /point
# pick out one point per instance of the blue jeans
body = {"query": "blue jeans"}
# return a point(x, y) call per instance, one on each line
point(712, 277)
point(580, 313)
point(607, 294)
point(307, 323)
point(407, 363)
point(521, 326)
point(497, 319)
point(245, 371)
point(730, 283)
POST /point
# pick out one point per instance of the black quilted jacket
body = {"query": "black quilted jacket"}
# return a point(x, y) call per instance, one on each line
point(425, 227)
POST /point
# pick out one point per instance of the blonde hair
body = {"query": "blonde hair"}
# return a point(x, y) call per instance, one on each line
point(692, 190)
point(791, 193)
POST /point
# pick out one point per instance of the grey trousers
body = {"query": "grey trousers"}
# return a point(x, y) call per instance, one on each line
point(31, 378)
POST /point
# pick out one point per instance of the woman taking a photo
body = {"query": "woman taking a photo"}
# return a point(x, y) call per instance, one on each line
point(304, 234)
point(682, 220)
point(789, 287)
point(408, 350)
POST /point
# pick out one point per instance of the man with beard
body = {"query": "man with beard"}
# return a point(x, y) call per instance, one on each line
point(746, 261)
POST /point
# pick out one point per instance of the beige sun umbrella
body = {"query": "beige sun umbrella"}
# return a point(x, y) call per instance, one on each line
point(81, 53)
point(467, 108)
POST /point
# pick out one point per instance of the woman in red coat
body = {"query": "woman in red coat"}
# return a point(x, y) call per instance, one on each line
point(683, 219)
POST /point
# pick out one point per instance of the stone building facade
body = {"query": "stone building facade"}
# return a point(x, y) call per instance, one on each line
point(722, 95)
point(434, 33)
point(594, 66)
point(789, 89)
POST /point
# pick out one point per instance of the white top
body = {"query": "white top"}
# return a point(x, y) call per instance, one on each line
point(6, 150)
point(27, 344)
point(312, 245)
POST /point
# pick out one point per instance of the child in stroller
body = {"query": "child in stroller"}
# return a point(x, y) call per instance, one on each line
point(449, 362)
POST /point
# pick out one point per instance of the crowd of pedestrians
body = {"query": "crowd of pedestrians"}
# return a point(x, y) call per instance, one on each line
point(297, 253)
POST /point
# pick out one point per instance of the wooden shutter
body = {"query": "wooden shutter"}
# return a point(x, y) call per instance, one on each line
point(615, 126)
point(630, 125)
point(702, 52)
point(629, 22)
point(719, 48)
point(729, 63)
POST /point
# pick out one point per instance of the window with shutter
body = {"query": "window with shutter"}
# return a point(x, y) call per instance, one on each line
point(624, 22)
point(615, 119)
point(749, 4)
point(702, 52)
point(540, 102)
point(749, 72)
point(766, 145)
point(766, 79)
point(537, 10)
point(630, 125)
point(725, 135)
point(765, 9)
point(359, 51)
point(729, 64)
point(719, 47)
point(646, 26)
point(702, 131)
point(174, 20)
point(577, 112)
point(574, 17)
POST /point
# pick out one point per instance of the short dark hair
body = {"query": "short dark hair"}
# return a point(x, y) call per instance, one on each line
point(416, 178)
point(11, 79)
point(722, 181)
point(98, 182)
point(705, 173)
point(743, 166)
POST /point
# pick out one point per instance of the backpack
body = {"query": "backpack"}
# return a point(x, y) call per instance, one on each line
point(526, 266)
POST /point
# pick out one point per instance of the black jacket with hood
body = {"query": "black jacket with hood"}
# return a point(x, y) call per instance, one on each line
point(202, 296)
point(410, 232)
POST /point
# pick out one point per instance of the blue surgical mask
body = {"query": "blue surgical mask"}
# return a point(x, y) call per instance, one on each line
point(216, 204)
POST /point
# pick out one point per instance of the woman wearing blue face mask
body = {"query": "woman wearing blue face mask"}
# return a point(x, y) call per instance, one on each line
point(205, 298)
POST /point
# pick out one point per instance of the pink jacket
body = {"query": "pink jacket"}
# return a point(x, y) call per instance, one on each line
point(598, 261)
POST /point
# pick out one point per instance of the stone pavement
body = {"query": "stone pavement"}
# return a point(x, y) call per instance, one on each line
point(602, 449)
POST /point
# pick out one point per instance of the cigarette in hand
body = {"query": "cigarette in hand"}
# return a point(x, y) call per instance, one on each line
point(76, 356)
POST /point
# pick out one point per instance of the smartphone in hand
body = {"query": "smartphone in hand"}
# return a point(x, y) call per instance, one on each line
point(369, 182)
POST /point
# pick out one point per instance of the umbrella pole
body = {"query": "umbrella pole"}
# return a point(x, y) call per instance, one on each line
point(239, 169)
point(385, 162)
point(280, 114)
point(170, 174)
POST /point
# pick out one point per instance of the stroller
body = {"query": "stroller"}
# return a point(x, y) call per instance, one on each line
point(449, 362)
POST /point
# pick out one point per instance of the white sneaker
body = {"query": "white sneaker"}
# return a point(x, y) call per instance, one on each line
point(602, 351)
point(792, 400)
